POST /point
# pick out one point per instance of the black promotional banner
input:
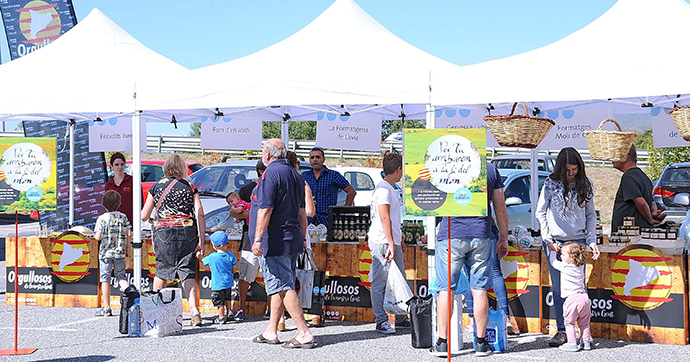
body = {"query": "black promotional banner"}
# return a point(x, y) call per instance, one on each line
point(33, 24)
point(43, 281)
point(90, 174)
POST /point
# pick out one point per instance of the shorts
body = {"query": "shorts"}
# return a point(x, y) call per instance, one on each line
point(249, 266)
point(219, 297)
point(107, 264)
point(475, 253)
point(174, 248)
point(279, 272)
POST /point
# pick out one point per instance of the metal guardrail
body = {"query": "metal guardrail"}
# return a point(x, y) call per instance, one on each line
point(165, 144)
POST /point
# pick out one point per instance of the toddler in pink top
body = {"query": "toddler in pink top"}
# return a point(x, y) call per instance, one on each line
point(576, 308)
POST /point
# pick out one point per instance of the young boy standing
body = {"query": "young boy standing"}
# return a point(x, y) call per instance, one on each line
point(385, 241)
point(113, 230)
point(223, 265)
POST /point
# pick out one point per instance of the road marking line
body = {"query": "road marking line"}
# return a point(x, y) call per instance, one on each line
point(43, 329)
point(76, 322)
point(231, 338)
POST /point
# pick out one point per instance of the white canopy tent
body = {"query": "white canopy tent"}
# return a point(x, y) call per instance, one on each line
point(91, 71)
point(630, 55)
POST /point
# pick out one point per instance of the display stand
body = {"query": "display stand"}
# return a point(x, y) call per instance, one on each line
point(16, 351)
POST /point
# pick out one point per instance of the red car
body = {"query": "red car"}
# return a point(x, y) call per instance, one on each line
point(152, 172)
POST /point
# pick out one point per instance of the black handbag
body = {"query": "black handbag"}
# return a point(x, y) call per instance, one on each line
point(420, 320)
point(310, 284)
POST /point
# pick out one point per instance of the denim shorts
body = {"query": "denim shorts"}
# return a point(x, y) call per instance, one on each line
point(475, 253)
point(279, 272)
point(107, 264)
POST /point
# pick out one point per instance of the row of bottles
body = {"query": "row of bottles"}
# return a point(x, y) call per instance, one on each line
point(350, 228)
point(412, 232)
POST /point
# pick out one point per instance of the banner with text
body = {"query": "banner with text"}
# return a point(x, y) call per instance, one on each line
point(464, 118)
point(359, 132)
point(114, 134)
point(445, 172)
point(27, 173)
point(664, 131)
point(33, 24)
point(223, 133)
point(570, 127)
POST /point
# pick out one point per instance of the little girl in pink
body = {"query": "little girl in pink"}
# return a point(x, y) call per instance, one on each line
point(576, 307)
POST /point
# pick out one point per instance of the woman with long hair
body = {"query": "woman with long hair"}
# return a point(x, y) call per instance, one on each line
point(566, 214)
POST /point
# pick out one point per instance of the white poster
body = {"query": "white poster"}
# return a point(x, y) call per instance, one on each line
point(571, 125)
point(224, 133)
point(664, 130)
point(114, 134)
point(464, 118)
point(359, 132)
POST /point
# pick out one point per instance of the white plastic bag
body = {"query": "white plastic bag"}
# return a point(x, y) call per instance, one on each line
point(161, 313)
point(397, 292)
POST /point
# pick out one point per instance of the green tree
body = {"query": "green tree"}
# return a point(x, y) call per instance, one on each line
point(645, 140)
point(659, 158)
point(394, 125)
point(195, 130)
point(297, 130)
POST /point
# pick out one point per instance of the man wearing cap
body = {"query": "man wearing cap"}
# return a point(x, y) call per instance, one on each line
point(278, 234)
point(325, 184)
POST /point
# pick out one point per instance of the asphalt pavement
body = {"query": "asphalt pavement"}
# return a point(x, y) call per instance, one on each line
point(74, 334)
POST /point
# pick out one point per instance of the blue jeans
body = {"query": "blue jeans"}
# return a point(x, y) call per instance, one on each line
point(378, 276)
point(472, 253)
point(499, 284)
point(556, 286)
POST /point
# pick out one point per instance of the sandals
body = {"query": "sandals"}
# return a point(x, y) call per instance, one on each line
point(294, 343)
point(261, 339)
point(196, 320)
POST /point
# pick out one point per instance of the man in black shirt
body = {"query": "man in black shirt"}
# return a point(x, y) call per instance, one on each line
point(634, 196)
point(249, 263)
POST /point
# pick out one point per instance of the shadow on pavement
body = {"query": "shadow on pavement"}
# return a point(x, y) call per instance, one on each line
point(81, 359)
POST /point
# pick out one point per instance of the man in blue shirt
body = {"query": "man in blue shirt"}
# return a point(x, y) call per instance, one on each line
point(470, 241)
point(325, 184)
point(278, 201)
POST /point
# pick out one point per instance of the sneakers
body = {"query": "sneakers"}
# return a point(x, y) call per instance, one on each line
point(439, 350)
point(482, 349)
point(239, 316)
point(385, 328)
point(558, 339)
point(104, 312)
point(219, 320)
point(267, 315)
point(404, 324)
point(570, 347)
point(230, 317)
point(587, 346)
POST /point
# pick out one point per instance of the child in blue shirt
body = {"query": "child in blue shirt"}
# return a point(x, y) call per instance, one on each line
point(223, 265)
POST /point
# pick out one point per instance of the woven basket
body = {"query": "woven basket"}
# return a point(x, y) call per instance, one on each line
point(609, 145)
point(515, 130)
point(681, 117)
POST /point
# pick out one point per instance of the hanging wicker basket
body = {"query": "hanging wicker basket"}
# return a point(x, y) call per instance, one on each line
point(609, 145)
point(516, 130)
point(681, 117)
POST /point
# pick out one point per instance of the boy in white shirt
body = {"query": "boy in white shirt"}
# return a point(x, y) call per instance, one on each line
point(385, 241)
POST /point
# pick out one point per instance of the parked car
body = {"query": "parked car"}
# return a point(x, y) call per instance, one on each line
point(152, 172)
point(671, 191)
point(364, 181)
point(516, 187)
point(395, 137)
point(522, 162)
point(216, 181)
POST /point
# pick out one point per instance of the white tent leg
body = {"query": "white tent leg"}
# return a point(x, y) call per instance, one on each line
point(534, 186)
point(284, 131)
point(136, 197)
point(70, 126)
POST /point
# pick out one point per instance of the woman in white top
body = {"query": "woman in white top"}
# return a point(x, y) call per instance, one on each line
point(566, 213)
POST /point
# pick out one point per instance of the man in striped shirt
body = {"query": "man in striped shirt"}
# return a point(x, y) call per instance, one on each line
point(325, 184)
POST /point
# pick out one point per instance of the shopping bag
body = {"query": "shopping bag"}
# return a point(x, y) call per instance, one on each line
point(161, 312)
point(310, 284)
point(496, 331)
point(397, 292)
point(420, 320)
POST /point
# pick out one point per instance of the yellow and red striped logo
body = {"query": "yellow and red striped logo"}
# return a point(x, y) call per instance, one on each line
point(364, 266)
point(70, 256)
point(424, 173)
point(515, 272)
point(641, 278)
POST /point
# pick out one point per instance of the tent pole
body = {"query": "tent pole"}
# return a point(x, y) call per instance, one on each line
point(534, 186)
point(284, 129)
point(136, 197)
point(71, 173)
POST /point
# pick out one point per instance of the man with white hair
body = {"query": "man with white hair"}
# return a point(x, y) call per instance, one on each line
point(278, 223)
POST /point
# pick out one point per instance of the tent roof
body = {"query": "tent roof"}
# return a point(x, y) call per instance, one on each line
point(344, 56)
point(92, 70)
point(633, 50)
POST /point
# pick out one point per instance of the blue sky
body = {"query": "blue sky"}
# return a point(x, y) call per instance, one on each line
point(205, 32)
